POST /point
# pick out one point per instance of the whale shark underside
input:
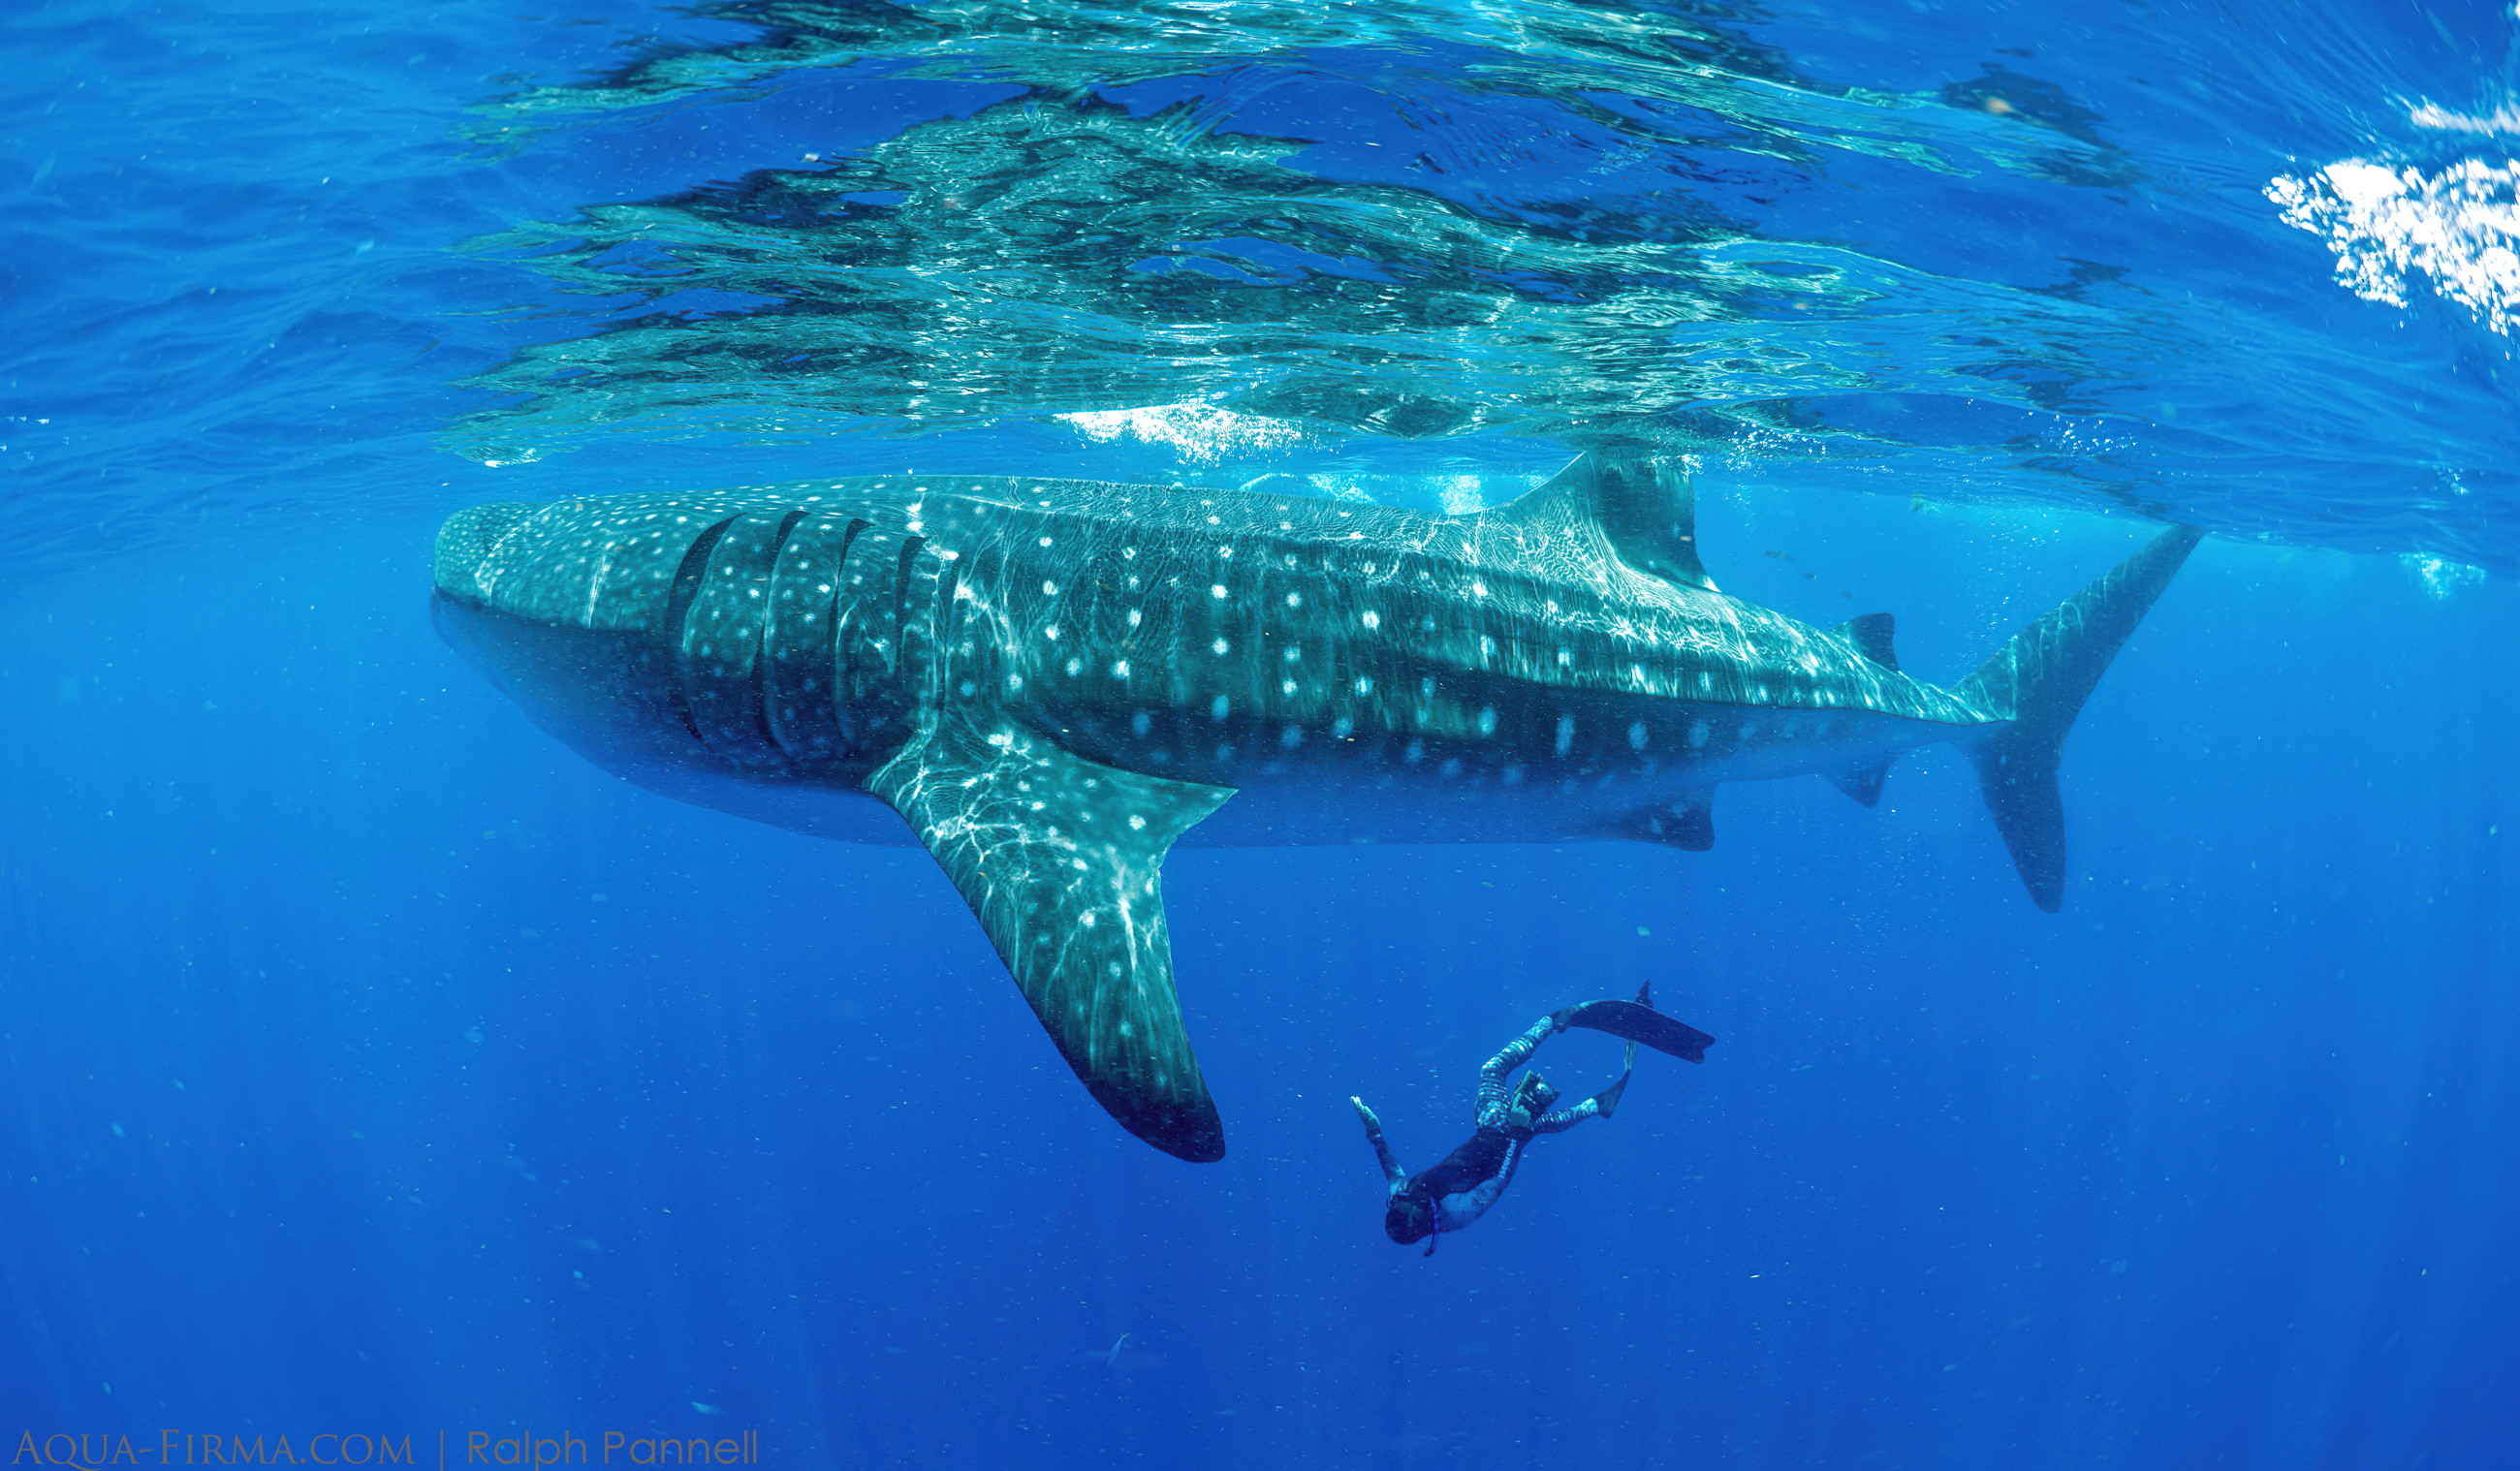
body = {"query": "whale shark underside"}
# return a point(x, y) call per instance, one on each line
point(1053, 682)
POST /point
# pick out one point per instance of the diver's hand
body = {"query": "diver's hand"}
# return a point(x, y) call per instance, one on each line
point(1393, 1177)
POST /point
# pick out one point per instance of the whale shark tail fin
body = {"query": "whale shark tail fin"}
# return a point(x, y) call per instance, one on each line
point(2036, 684)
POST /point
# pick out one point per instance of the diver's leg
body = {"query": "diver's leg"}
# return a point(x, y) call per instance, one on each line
point(1494, 1099)
point(1392, 1174)
point(1599, 1106)
point(1567, 1117)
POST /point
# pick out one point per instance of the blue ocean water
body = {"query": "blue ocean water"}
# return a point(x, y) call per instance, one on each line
point(377, 1067)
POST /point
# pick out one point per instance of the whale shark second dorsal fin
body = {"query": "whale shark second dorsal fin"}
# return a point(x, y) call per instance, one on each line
point(1870, 634)
point(1644, 507)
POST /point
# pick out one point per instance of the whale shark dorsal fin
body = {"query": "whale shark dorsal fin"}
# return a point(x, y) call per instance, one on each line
point(1062, 860)
point(1870, 633)
point(1644, 507)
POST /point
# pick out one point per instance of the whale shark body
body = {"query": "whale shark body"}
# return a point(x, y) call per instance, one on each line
point(1054, 682)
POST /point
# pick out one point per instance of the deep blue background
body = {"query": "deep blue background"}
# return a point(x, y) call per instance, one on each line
point(375, 1064)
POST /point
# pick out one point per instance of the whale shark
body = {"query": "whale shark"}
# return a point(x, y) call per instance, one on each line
point(1050, 683)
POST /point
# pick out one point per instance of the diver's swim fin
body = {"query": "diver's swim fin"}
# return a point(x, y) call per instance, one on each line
point(1639, 1022)
point(1607, 1099)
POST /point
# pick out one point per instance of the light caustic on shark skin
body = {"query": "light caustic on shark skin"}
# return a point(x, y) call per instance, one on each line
point(1053, 682)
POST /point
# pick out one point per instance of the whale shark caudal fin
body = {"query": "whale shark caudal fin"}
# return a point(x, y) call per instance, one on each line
point(1643, 508)
point(1061, 860)
point(2038, 681)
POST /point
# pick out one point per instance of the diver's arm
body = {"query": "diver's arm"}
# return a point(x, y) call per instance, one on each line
point(1392, 1174)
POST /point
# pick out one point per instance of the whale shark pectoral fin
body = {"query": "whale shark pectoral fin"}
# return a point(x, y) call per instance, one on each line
point(1862, 783)
point(1643, 508)
point(1061, 860)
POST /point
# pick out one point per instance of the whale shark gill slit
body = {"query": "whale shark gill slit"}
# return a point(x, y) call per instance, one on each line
point(765, 643)
point(678, 610)
point(801, 696)
point(719, 658)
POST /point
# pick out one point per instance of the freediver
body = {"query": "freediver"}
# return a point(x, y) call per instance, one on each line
point(1460, 1188)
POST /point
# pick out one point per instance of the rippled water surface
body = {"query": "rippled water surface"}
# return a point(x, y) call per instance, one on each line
point(2248, 265)
point(374, 1064)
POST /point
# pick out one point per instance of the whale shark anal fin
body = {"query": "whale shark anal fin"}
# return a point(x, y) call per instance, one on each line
point(1061, 860)
point(1862, 783)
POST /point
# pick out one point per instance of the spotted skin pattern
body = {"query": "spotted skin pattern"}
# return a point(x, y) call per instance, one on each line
point(1054, 681)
